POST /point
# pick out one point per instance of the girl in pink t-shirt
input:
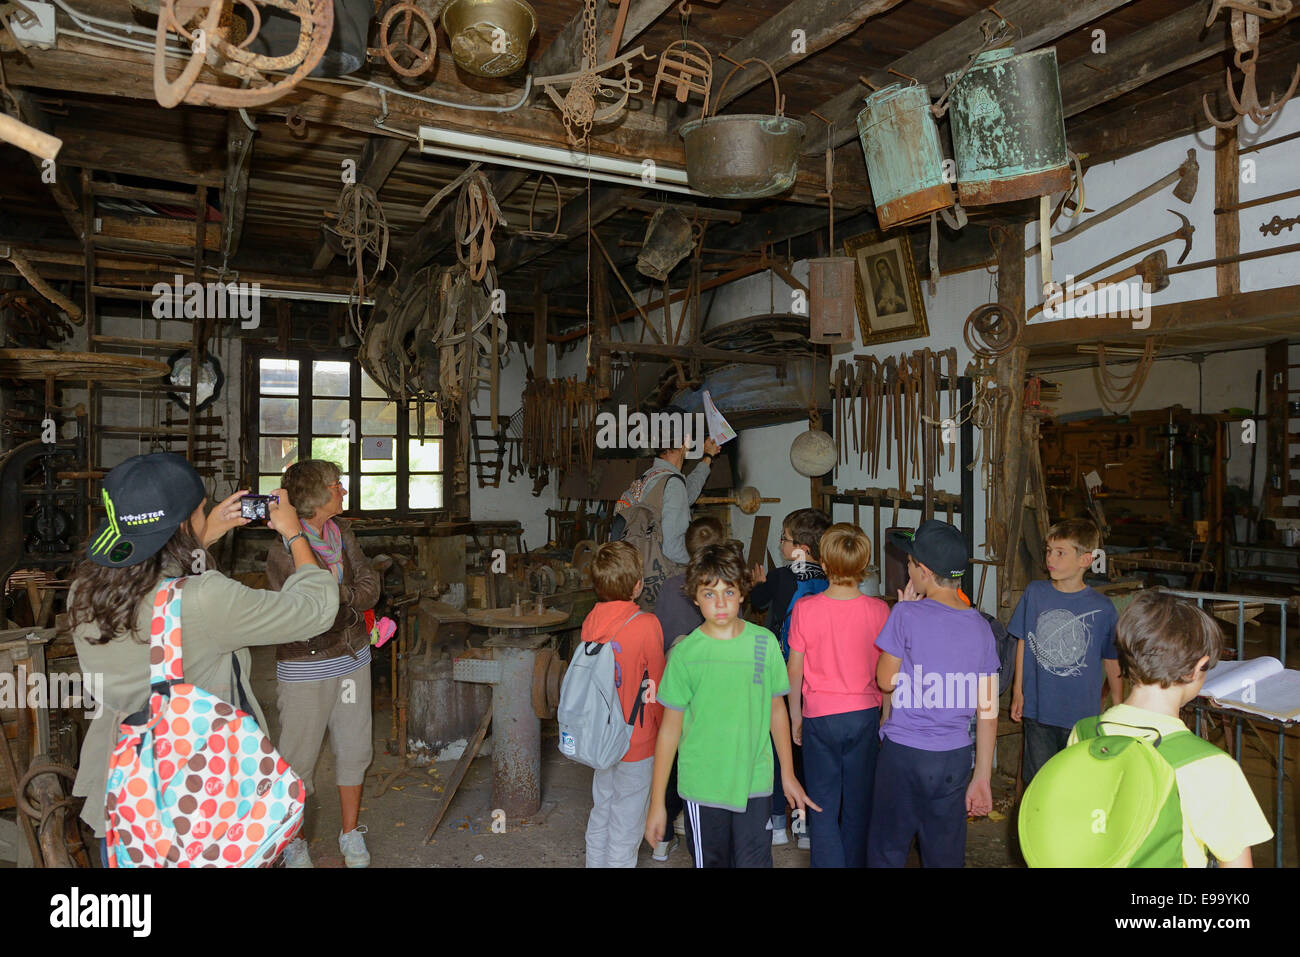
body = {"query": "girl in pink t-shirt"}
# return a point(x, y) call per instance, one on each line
point(836, 719)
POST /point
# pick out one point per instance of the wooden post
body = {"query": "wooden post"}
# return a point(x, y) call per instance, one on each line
point(540, 323)
point(600, 331)
point(1009, 246)
point(1227, 225)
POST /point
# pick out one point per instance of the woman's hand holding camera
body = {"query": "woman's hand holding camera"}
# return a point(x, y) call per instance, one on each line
point(282, 516)
point(223, 518)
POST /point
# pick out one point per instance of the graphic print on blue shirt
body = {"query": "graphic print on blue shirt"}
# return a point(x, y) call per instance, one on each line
point(1066, 635)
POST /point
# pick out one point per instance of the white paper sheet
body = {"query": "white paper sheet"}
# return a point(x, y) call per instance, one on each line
point(1229, 677)
point(719, 430)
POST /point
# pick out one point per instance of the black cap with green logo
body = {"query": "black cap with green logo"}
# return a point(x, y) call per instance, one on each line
point(146, 497)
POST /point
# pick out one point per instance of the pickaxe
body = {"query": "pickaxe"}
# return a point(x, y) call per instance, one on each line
point(1185, 177)
point(1152, 268)
point(1183, 232)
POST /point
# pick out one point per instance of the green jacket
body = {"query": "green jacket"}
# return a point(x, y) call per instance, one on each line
point(219, 616)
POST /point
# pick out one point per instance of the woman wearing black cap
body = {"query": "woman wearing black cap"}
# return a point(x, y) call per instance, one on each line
point(157, 528)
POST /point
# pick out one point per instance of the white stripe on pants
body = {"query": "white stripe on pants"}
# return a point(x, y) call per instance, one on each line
point(620, 798)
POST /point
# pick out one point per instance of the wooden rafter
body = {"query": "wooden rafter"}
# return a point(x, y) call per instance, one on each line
point(1037, 22)
point(822, 23)
point(69, 205)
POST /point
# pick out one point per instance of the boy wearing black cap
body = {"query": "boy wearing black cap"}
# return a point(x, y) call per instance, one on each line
point(939, 665)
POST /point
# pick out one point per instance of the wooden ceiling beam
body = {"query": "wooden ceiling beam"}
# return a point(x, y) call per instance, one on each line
point(606, 201)
point(377, 160)
point(1037, 22)
point(1138, 58)
point(821, 23)
point(24, 109)
point(84, 67)
point(1176, 112)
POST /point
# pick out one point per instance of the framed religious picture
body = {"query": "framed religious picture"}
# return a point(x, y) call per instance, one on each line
point(889, 300)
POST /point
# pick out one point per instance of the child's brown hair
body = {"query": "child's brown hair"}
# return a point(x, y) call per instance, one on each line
point(845, 553)
point(805, 527)
point(1160, 637)
point(703, 531)
point(1082, 533)
point(615, 570)
point(723, 563)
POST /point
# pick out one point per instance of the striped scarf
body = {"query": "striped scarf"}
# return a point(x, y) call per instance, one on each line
point(328, 545)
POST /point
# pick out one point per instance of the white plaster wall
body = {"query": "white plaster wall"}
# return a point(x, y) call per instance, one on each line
point(513, 500)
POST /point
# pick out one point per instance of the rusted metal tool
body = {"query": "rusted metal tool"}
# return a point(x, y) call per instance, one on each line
point(1245, 42)
point(1183, 232)
point(1184, 180)
point(1153, 269)
point(406, 55)
point(1275, 226)
point(210, 43)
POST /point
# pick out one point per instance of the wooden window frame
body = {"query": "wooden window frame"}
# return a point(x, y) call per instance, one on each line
point(251, 401)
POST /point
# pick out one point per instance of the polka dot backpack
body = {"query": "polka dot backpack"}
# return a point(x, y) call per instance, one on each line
point(193, 781)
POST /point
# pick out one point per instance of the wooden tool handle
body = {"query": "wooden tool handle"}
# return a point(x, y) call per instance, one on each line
point(29, 138)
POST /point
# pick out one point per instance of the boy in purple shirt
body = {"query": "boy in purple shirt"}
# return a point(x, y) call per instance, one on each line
point(939, 665)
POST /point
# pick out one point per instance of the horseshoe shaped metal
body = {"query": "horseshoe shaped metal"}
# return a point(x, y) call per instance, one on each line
point(422, 59)
point(316, 19)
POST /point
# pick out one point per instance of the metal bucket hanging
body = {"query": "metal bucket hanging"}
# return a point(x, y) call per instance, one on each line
point(832, 313)
point(668, 240)
point(1008, 128)
point(745, 156)
point(904, 159)
point(489, 37)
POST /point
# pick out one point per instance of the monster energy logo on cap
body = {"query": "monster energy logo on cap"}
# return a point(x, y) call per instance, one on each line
point(146, 498)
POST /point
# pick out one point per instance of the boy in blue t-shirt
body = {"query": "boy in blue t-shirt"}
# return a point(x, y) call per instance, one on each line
point(1066, 646)
point(939, 667)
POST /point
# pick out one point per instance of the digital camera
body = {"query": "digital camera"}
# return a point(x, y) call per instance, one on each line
point(255, 506)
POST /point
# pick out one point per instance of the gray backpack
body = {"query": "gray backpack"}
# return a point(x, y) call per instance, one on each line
point(642, 528)
point(593, 730)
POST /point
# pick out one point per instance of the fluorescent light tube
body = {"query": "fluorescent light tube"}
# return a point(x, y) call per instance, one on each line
point(549, 159)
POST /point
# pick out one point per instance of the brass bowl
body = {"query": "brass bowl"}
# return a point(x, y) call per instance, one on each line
point(472, 27)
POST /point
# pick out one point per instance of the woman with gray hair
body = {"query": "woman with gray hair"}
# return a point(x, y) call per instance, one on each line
point(324, 682)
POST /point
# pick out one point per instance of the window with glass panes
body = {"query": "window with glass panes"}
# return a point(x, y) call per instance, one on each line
point(330, 408)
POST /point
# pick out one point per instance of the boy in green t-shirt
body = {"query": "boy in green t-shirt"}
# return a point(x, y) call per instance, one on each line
point(723, 694)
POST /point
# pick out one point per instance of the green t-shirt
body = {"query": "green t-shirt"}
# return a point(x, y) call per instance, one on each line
point(725, 689)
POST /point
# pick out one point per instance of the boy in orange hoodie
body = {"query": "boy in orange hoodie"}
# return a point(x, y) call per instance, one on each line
point(621, 794)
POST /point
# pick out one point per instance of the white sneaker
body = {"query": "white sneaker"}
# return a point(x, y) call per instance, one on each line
point(353, 846)
point(296, 855)
point(664, 848)
point(805, 844)
point(679, 824)
point(779, 837)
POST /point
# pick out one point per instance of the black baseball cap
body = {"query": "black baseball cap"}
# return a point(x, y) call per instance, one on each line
point(937, 545)
point(146, 497)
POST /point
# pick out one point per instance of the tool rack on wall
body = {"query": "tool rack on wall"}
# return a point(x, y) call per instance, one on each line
point(924, 498)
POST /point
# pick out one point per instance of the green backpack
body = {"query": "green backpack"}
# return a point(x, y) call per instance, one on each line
point(1109, 800)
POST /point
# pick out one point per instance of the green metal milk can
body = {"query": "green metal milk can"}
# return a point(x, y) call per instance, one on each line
point(1008, 128)
point(904, 159)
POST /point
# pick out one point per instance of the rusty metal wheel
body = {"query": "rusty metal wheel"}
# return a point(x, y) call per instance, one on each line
point(419, 59)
